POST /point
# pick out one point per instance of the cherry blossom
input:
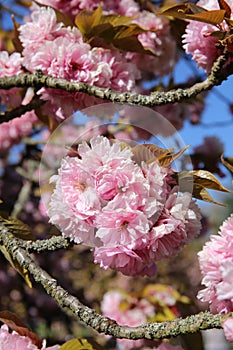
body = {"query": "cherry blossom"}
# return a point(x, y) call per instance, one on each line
point(10, 65)
point(12, 132)
point(130, 212)
point(14, 341)
point(197, 40)
point(216, 263)
point(228, 329)
point(159, 41)
point(137, 309)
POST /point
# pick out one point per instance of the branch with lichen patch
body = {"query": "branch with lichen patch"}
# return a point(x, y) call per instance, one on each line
point(39, 80)
point(153, 330)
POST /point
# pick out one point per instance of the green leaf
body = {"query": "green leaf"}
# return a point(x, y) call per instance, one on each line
point(15, 324)
point(77, 344)
point(190, 11)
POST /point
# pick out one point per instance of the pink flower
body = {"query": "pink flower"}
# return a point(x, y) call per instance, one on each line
point(62, 58)
point(12, 131)
point(228, 329)
point(122, 74)
point(130, 211)
point(126, 260)
point(216, 263)
point(14, 341)
point(60, 52)
point(10, 65)
point(127, 310)
point(159, 41)
point(42, 26)
point(129, 316)
point(178, 224)
point(73, 7)
point(167, 346)
point(133, 311)
point(197, 40)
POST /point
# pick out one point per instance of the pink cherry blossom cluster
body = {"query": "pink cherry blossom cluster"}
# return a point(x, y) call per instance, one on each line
point(130, 212)
point(59, 51)
point(12, 132)
point(216, 263)
point(10, 65)
point(14, 341)
point(128, 310)
point(197, 40)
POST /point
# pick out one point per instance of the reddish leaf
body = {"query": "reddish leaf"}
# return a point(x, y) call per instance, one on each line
point(86, 20)
point(61, 16)
point(14, 263)
point(167, 159)
point(228, 163)
point(110, 31)
point(228, 42)
point(199, 192)
point(147, 152)
point(212, 17)
point(224, 6)
point(18, 228)
point(23, 3)
point(193, 12)
point(208, 180)
point(17, 43)
point(15, 324)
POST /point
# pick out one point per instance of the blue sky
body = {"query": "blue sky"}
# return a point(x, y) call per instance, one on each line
point(216, 118)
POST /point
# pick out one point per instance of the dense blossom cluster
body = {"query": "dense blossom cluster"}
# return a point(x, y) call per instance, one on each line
point(14, 341)
point(198, 41)
point(11, 132)
point(216, 263)
point(131, 213)
point(58, 49)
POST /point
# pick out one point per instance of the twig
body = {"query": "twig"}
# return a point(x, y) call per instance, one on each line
point(17, 112)
point(22, 198)
point(153, 330)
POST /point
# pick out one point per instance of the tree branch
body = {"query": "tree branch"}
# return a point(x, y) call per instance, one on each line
point(153, 330)
point(17, 112)
point(39, 80)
